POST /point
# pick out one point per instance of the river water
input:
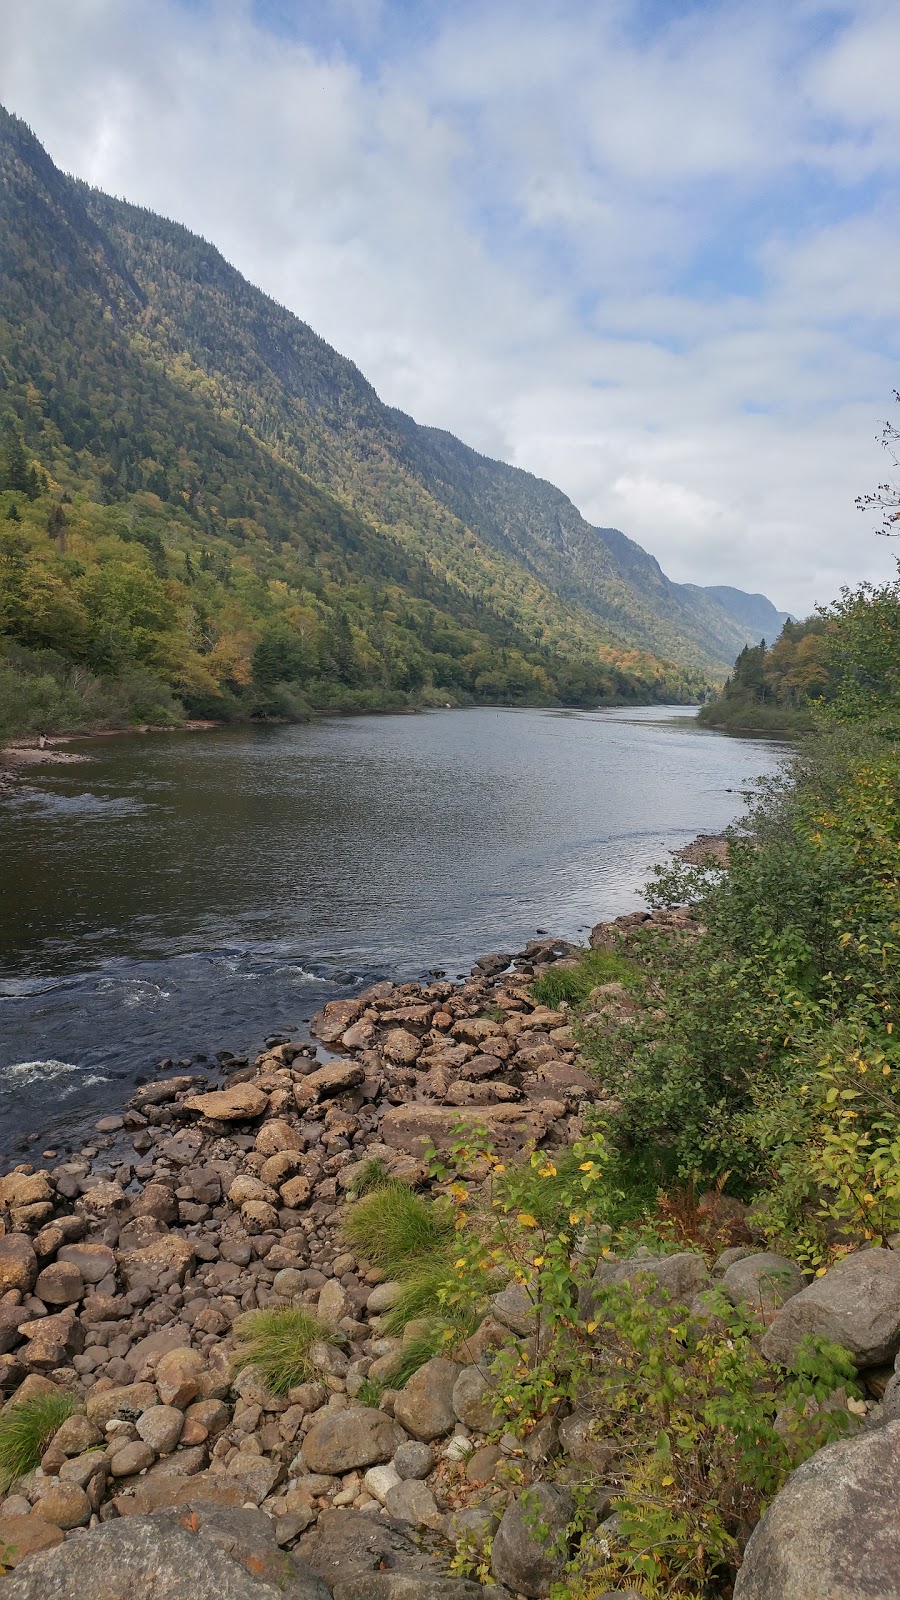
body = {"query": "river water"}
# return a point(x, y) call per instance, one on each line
point(184, 893)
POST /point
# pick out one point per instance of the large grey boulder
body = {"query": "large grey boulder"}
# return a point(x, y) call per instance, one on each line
point(203, 1553)
point(856, 1304)
point(348, 1544)
point(833, 1533)
point(679, 1277)
point(528, 1552)
point(763, 1282)
point(407, 1586)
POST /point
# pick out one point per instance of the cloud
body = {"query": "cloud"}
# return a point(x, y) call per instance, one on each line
point(646, 252)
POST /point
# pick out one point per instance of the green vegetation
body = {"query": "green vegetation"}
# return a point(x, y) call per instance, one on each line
point(574, 984)
point(842, 665)
point(277, 1341)
point(396, 1229)
point(204, 509)
point(763, 1069)
point(26, 1428)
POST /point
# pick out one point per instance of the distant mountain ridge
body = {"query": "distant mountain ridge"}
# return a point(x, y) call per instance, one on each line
point(140, 363)
point(752, 611)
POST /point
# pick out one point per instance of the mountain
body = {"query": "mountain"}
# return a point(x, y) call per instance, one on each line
point(751, 611)
point(219, 500)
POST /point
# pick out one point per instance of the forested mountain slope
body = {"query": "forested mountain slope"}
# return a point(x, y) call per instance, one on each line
point(202, 498)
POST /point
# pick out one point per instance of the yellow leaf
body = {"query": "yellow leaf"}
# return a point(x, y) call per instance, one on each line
point(526, 1219)
point(667, 1482)
point(591, 1327)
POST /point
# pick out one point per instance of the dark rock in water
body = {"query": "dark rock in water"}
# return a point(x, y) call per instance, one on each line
point(489, 966)
point(202, 1553)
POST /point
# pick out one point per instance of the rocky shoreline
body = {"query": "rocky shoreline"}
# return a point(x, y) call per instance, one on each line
point(124, 1269)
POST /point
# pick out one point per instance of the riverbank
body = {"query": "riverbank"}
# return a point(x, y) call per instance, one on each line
point(145, 1275)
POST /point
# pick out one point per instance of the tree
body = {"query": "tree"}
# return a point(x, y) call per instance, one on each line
point(886, 496)
point(15, 472)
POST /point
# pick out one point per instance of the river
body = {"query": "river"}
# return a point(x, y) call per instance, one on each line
point(184, 893)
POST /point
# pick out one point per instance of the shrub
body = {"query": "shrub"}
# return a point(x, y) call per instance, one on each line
point(26, 1428)
point(278, 1341)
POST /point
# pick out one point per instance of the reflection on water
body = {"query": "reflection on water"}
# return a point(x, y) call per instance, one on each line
point(189, 892)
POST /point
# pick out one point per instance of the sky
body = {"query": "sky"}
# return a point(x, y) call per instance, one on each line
point(647, 249)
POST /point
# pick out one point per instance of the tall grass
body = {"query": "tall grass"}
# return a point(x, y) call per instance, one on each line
point(395, 1229)
point(278, 1341)
point(574, 984)
point(26, 1428)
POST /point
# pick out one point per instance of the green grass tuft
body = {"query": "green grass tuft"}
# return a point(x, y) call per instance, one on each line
point(420, 1293)
point(369, 1393)
point(574, 984)
point(394, 1228)
point(25, 1431)
point(374, 1175)
point(278, 1341)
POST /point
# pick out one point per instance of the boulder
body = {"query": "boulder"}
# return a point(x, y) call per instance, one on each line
point(856, 1304)
point(161, 1428)
point(243, 1102)
point(60, 1284)
point(833, 1533)
point(24, 1189)
point(94, 1261)
point(424, 1407)
point(402, 1047)
point(18, 1263)
point(413, 1459)
point(328, 1081)
point(126, 1402)
point(345, 1545)
point(414, 1127)
point(473, 1394)
point(407, 1586)
point(410, 1500)
point(515, 1308)
point(526, 1553)
point(168, 1255)
point(338, 1441)
point(22, 1536)
point(763, 1282)
point(51, 1341)
point(277, 1136)
point(334, 1019)
point(203, 1551)
point(680, 1277)
point(64, 1504)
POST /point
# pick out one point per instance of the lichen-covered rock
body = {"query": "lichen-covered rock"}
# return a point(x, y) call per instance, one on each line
point(339, 1441)
point(856, 1304)
point(18, 1263)
point(526, 1553)
point(833, 1533)
point(204, 1551)
point(763, 1282)
point(243, 1102)
point(424, 1406)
